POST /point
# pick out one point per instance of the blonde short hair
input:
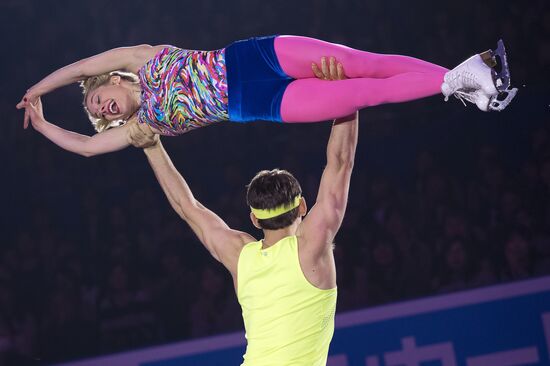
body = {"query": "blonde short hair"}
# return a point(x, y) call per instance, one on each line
point(92, 83)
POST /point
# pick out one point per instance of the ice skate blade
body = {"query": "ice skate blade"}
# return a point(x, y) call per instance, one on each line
point(501, 77)
point(498, 105)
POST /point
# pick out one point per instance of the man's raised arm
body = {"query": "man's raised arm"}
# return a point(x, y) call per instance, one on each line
point(220, 240)
point(322, 223)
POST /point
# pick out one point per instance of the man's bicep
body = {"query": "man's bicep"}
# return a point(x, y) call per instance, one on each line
point(214, 233)
point(208, 227)
point(325, 217)
point(321, 225)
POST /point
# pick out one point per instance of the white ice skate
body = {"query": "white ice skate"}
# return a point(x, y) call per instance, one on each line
point(487, 72)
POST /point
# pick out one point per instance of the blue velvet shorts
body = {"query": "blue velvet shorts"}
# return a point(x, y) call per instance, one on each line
point(255, 80)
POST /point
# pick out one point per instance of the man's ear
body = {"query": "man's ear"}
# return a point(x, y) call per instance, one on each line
point(302, 208)
point(254, 220)
point(114, 80)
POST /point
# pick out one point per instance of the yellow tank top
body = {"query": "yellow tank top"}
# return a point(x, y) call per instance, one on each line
point(287, 320)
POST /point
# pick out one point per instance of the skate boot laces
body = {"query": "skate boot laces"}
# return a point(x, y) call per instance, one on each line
point(485, 102)
point(477, 97)
point(458, 81)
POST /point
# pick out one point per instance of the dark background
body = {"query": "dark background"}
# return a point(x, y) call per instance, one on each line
point(443, 198)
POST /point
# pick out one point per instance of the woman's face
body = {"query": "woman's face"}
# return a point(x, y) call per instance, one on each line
point(112, 102)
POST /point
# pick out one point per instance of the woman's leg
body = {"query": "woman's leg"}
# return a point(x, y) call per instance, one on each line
point(314, 100)
point(374, 79)
point(296, 54)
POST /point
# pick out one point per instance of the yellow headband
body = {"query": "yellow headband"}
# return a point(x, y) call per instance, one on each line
point(264, 214)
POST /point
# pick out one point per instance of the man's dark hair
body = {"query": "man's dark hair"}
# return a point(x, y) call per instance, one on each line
point(270, 189)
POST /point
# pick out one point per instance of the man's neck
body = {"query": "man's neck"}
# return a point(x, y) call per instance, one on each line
point(273, 236)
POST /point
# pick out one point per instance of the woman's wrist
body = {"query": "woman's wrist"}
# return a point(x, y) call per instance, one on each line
point(34, 92)
point(50, 83)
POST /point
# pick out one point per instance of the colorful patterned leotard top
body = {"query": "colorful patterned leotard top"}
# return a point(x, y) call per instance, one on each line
point(183, 90)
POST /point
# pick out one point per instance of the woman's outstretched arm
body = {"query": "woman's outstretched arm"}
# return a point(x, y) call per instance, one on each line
point(122, 58)
point(113, 139)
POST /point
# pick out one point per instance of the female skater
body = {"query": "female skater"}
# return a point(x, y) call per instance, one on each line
point(172, 90)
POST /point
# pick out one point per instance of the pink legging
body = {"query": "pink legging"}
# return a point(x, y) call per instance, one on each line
point(372, 79)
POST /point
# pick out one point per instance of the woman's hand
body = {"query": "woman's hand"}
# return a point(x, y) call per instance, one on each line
point(35, 114)
point(31, 97)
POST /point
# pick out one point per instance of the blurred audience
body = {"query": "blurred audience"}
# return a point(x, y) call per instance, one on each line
point(97, 262)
